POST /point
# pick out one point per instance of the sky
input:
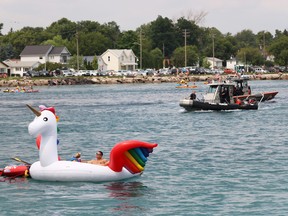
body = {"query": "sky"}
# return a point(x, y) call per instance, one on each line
point(231, 16)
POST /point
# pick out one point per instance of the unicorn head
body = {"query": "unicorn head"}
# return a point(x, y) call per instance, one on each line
point(45, 124)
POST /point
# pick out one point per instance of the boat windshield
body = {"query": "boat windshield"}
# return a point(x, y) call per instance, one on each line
point(212, 89)
point(245, 84)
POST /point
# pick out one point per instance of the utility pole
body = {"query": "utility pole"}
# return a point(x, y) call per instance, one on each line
point(213, 51)
point(77, 46)
point(45, 63)
point(141, 48)
point(163, 52)
point(185, 42)
point(264, 44)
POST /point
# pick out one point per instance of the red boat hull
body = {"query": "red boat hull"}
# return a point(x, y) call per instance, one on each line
point(14, 171)
point(259, 97)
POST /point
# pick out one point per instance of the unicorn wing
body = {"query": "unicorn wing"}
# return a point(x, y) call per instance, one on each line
point(131, 154)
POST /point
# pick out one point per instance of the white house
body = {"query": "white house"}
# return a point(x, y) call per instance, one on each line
point(32, 56)
point(45, 53)
point(3, 69)
point(117, 59)
point(214, 62)
point(233, 63)
point(17, 67)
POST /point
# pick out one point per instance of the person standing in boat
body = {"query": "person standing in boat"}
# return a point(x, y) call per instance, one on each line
point(224, 95)
point(249, 90)
point(193, 95)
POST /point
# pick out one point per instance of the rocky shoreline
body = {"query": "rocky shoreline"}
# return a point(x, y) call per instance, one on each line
point(123, 80)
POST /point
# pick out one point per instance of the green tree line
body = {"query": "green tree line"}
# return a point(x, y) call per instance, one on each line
point(160, 39)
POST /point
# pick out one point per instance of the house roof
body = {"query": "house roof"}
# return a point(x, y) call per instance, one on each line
point(215, 59)
point(4, 64)
point(36, 50)
point(18, 63)
point(119, 52)
point(89, 58)
point(58, 50)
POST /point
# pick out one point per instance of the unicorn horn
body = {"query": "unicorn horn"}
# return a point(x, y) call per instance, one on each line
point(36, 112)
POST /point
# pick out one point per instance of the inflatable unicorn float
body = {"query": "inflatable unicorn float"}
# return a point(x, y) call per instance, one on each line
point(127, 158)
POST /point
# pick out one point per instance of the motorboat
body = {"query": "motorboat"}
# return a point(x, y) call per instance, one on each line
point(243, 91)
point(219, 97)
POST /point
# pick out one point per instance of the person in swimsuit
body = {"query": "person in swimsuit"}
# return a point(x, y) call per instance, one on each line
point(99, 159)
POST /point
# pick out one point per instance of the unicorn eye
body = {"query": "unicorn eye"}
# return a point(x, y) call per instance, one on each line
point(45, 119)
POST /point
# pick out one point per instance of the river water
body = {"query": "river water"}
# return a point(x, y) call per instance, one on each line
point(206, 163)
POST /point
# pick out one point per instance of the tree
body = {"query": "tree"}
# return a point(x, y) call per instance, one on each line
point(63, 27)
point(206, 63)
point(1, 27)
point(279, 49)
point(95, 63)
point(6, 51)
point(163, 33)
point(246, 38)
point(72, 63)
point(88, 26)
point(156, 58)
point(192, 31)
point(195, 17)
point(92, 43)
point(50, 66)
point(250, 55)
point(127, 40)
point(25, 36)
point(264, 38)
point(112, 32)
point(178, 57)
point(57, 41)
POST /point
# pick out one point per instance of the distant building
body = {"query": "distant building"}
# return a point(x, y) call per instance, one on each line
point(45, 53)
point(89, 59)
point(117, 59)
point(232, 63)
point(17, 67)
point(214, 62)
point(3, 69)
point(32, 56)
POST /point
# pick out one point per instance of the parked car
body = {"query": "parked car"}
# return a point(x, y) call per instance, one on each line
point(229, 71)
point(115, 73)
point(102, 73)
point(259, 70)
point(199, 70)
point(33, 73)
point(93, 72)
point(79, 73)
point(43, 73)
point(67, 73)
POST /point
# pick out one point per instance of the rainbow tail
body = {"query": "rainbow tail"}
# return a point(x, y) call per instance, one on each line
point(131, 154)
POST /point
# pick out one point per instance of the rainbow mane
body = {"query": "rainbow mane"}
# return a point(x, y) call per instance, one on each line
point(131, 154)
point(135, 159)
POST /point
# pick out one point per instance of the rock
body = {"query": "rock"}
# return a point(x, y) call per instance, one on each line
point(122, 80)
